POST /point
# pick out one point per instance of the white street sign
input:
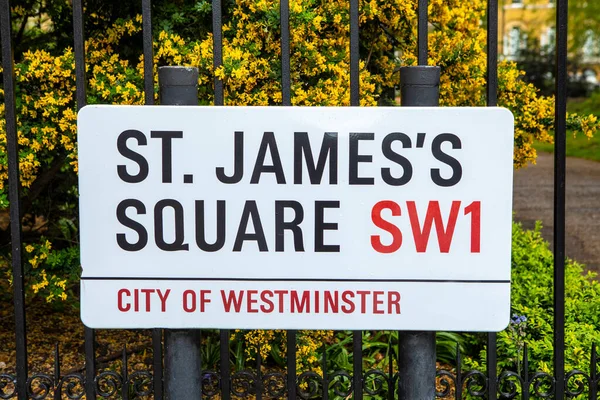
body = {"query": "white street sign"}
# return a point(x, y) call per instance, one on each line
point(295, 217)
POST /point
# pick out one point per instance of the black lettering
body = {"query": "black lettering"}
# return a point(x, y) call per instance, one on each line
point(321, 226)
point(131, 224)
point(159, 236)
point(268, 142)
point(132, 155)
point(200, 227)
point(238, 161)
point(250, 211)
point(386, 147)
point(167, 151)
point(329, 148)
point(356, 158)
point(436, 150)
point(294, 225)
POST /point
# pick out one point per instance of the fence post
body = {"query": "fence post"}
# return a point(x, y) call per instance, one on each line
point(416, 350)
point(182, 375)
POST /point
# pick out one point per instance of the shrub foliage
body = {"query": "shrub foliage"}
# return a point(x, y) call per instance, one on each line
point(533, 311)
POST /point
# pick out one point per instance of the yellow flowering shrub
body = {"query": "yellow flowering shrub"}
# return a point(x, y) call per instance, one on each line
point(320, 60)
point(251, 73)
point(272, 343)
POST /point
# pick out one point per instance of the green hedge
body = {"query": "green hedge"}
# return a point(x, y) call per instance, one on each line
point(532, 310)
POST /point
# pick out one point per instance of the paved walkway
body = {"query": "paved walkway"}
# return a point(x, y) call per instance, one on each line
point(533, 200)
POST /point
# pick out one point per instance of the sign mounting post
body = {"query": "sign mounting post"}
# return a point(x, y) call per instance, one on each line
point(416, 349)
point(183, 369)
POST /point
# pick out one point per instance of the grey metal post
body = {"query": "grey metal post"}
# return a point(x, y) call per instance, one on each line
point(420, 86)
point(178, 86)
point(182, 374)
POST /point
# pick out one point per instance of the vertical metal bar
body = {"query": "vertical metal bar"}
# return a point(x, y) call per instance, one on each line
point(78, 46)
point(525, 391)
point(357, 361)
point(422, 24)
point(157, 367)
point(217, 21)
point(559, 197)
point(492, 366)
point(56, 372)
point(148, 52)
point(325, 376)
point(80, 86)
point(124, 376)
point(492, 53)
point(594, 375)
point(492, 101)
point(14, 199)
point(354, 55)
point(90, 363)
point(157, 373)
point(284, 16)
point(258, 383)
point(355, 101)
point(225, 372)
point(291, 363)
point(157, 364)
point(397, 385)
point(224, 367)
point(459, 377)
point(391, 386)
point(416, 350)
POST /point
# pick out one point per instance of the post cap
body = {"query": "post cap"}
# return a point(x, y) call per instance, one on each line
point(420, 75)
point(177, 76)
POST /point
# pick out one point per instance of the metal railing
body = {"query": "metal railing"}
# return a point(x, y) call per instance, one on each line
point(291, 383)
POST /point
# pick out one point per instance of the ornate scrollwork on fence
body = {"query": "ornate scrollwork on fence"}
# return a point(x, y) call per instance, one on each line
point(339, 386)
point(39, 386)
point(376, 382)
point(507, 384)
point(538, 381)
point(575, 383)
point(8, 386)
point(309, 384)
point(446, 381)
point(141, 382)
point(211, 384)
point(274, 384)
point(72, 385)
point(476, 383)
point(243, 383)
point(107, 383)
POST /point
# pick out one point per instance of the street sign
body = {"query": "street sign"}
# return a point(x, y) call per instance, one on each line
point(295, 217)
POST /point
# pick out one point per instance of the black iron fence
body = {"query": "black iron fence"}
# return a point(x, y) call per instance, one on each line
point(292, 383)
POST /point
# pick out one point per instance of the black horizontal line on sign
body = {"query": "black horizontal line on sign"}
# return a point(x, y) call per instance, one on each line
point(120, 278)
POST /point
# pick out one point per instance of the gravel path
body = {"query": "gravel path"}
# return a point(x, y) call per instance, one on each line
point(533, 200)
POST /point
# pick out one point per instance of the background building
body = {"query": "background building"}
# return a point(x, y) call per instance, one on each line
point(528, 26)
